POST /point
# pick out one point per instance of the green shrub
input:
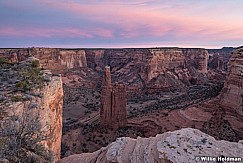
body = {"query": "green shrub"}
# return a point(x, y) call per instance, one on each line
point(22, 84)
point(1, 100)
point(35, 63)
point(2, 142)
point(16, 98)
point(32, 77)
point(3, 60)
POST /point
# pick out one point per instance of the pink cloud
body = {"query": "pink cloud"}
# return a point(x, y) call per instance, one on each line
point(102, 32)
point(77, 32)
point(134, 21)
point(66, 32)
point(31, 32)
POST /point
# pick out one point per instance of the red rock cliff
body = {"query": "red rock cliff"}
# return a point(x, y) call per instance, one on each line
point(232, 93)
point(154, 68)
point(51, 58)
point(36, 111)
point(147, 69)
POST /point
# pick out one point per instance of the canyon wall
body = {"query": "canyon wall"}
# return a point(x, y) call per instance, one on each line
point(227, 108)
point(52, 104)
point(183, 145)
point(51, 58)
point(220, 128)
point(31, 102)
point(232, 93)
point(169, 59)
point(152, 69)
point(141, 69)
point(157, 58)
point(217, 57)
point(217, 62)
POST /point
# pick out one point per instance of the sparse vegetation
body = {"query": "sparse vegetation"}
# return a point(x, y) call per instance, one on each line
point(35, 64)
point(194, 95)
point(24, 85)
point(3, 61)
point(17, 98)
point(31, 78)
point(22, 143)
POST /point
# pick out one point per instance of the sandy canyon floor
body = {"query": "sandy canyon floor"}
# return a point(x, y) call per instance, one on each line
point(148, 115)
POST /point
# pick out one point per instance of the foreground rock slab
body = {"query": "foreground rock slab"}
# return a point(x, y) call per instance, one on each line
point(185, 145)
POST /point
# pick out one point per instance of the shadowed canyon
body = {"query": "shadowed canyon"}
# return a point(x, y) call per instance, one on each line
point(101, 105)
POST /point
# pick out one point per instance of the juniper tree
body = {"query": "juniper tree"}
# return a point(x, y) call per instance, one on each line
point(21, 138)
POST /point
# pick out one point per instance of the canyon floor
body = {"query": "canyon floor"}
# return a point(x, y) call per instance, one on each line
point(148, 115)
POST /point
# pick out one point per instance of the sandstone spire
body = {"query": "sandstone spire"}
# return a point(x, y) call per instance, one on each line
point(119, 102)
point(105, 110)
point(113, 102)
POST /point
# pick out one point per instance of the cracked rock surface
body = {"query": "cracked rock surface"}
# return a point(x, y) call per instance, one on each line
point(177, 146)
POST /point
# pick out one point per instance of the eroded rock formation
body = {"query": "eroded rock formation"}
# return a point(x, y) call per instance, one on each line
point(222, 54)
point(148, 69)
point(31, 102)
point(51, 58)
point(72, 58)
point(113, 102)
point(160, 67)
point(217, 62)
point(232, 93)
point(13, 58)
point(105, 108)
point(178, 146)
point(227, 108)
point(220, 128)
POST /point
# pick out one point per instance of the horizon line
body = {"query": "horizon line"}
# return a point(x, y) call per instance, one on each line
point(121, 47)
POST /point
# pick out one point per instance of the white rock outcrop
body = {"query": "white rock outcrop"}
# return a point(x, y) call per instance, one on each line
point(185, 145)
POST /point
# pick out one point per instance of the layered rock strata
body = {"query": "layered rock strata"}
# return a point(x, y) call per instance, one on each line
point(51, 58)
point(222, 54)
point(185, 145)
point(152, 70)
point(113, 102)
point(32, 101)
point(147, 69)
point(217, 62)
point(232, 93)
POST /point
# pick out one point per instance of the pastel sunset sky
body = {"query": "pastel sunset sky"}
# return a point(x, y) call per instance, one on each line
point(121, 23)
